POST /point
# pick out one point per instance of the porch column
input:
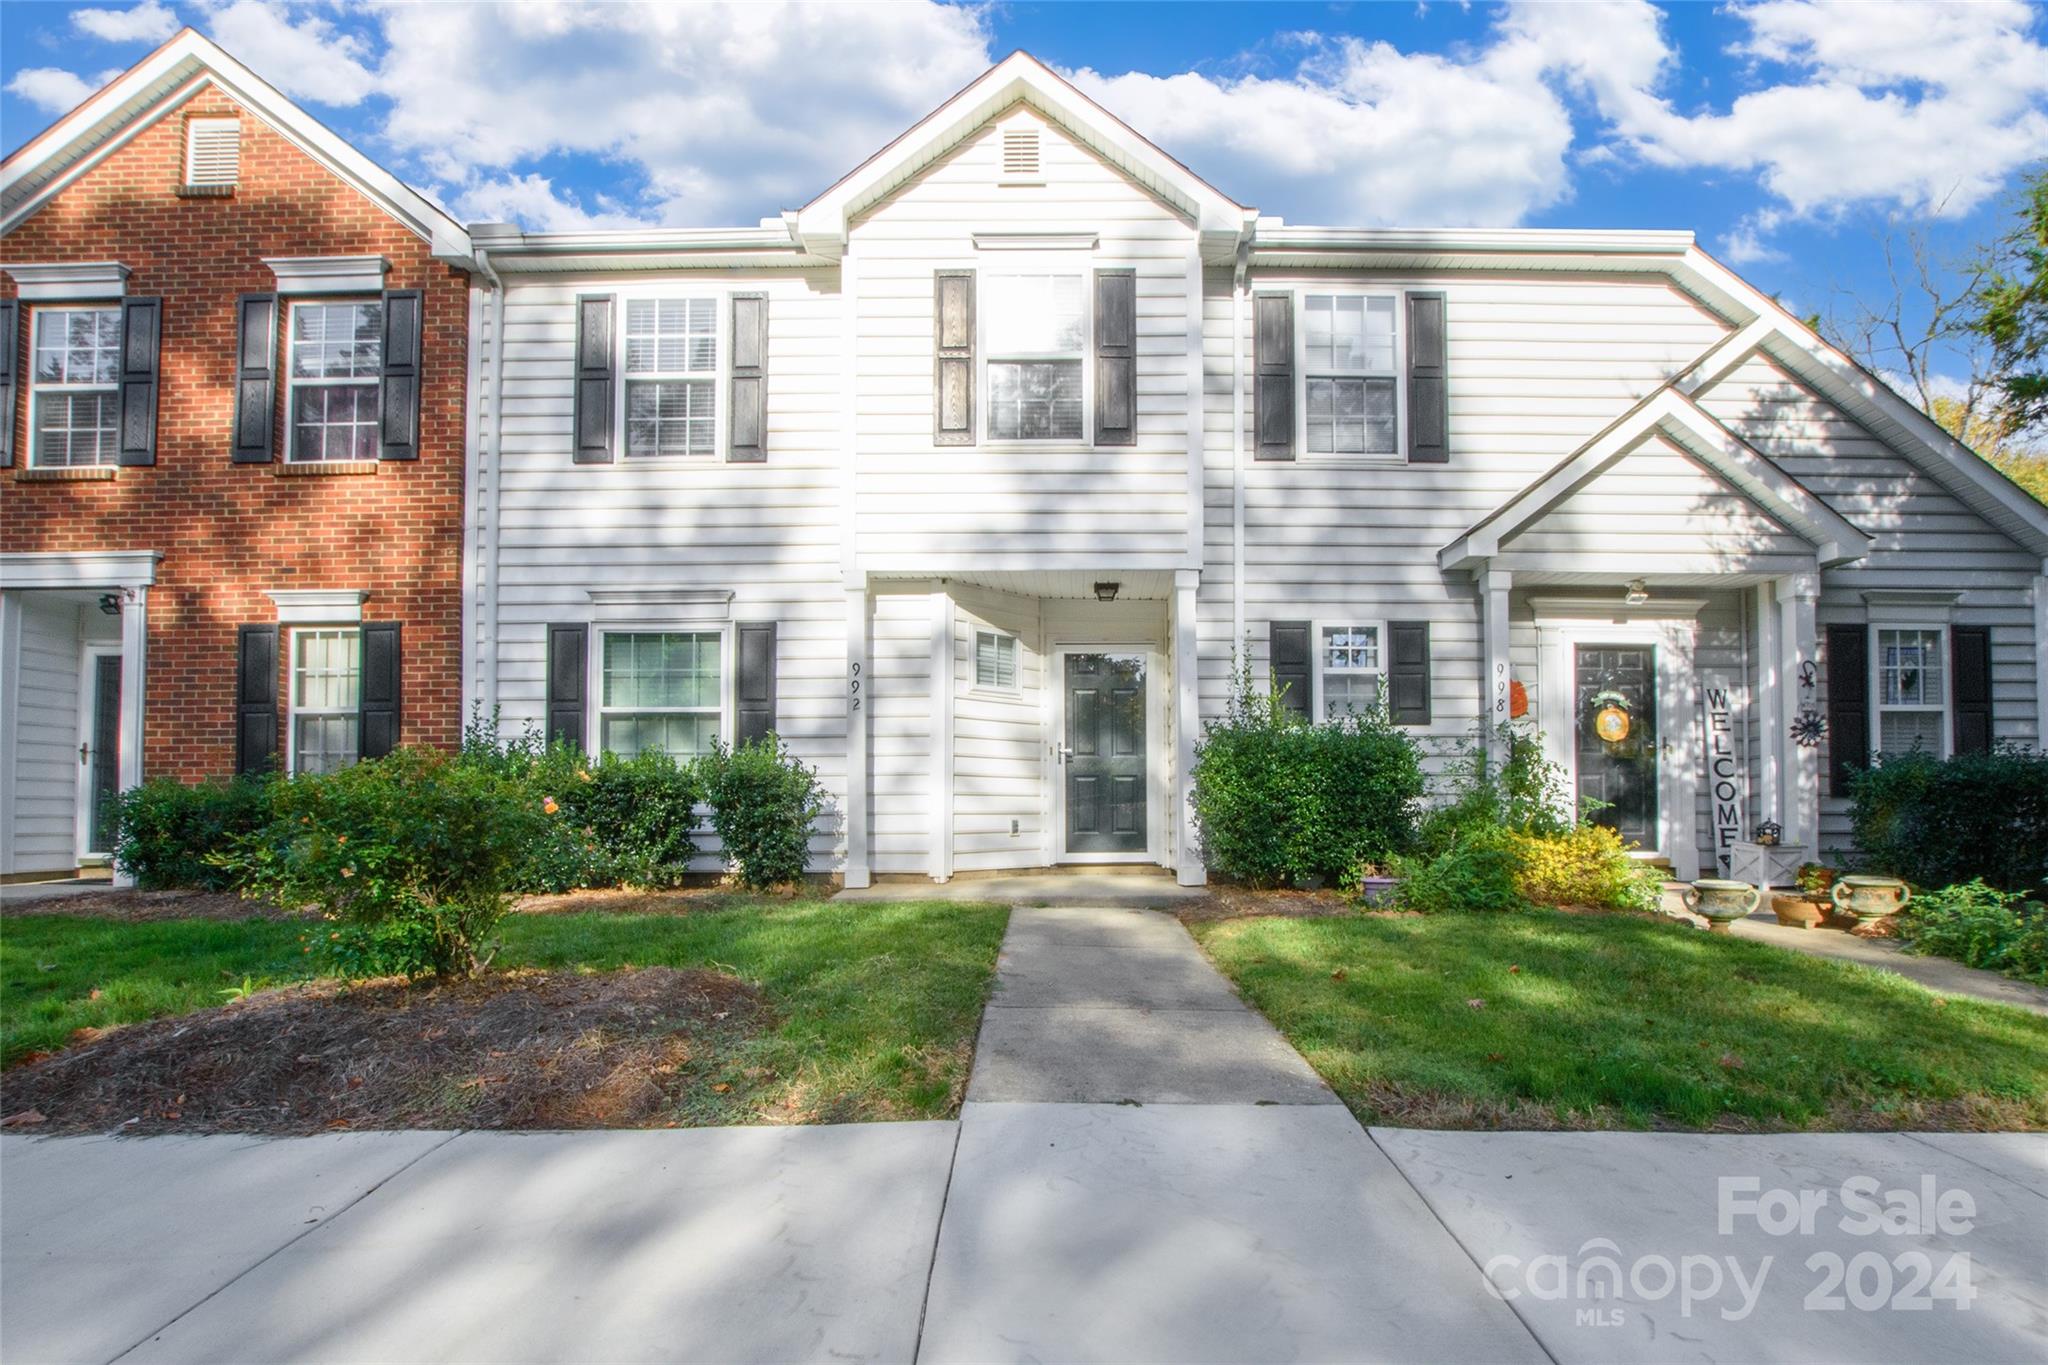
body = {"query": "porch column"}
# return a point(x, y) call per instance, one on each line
point(1771, 716)
point(134, 668)
point(857, 734)
point(1187, 727)
point(1493, 658)
point(942, 732)
point(1800, 766)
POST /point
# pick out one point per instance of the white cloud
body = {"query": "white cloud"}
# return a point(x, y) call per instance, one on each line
point(712, 114)
point(51, 88)
point(149, 22)
point(297, 50)
point(533, 201)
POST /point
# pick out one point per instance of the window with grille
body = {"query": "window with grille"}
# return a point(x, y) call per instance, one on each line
point(671, 377)
point(1349, 669)
point(336, 370)
point(995, 660)
point(213, 151)
point(1036, 330)
point(1912, 691)
point(75, 393)
point(661, 690)
point(326, 692)
point(1348, 376)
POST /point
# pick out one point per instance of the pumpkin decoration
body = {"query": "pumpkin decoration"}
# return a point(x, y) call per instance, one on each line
point(1518, 700)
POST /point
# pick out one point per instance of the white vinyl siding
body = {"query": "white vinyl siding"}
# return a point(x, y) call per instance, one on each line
point(1035, 329)
point(326, 692)
point(1350, 665)
point(1350, 403)
point(1912, 692)
point(213, 151)
point(671, 377)
point(661, 690)
point(335, 370)
point(75, 395)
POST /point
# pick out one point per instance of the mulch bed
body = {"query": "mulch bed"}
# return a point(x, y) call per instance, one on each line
point(527, 1049)
point(139, 907)
point(1225, 901)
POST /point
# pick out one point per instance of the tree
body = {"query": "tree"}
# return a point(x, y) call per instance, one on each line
point(1990, 433)
point(2009, 311)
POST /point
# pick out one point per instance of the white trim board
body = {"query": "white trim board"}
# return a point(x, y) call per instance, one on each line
point(83, 569)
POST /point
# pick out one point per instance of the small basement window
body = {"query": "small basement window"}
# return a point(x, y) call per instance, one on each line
point(213, 152)
point(995, 660)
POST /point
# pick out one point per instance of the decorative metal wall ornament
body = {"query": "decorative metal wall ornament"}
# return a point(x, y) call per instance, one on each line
point(1611, 723)
point(1808, 727)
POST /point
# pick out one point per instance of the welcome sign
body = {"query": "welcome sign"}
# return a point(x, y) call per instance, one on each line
point(1726, 797)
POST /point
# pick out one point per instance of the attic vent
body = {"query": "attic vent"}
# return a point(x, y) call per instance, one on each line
point(1020, 156)
point(213, 152)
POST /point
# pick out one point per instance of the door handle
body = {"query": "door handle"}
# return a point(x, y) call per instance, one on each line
point(83, 750)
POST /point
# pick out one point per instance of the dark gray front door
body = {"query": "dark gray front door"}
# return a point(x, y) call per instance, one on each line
point(1617, 725)
point(1105, 756)
point(103, 754)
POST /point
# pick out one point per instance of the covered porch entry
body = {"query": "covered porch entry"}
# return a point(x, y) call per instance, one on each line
point(1020, 720)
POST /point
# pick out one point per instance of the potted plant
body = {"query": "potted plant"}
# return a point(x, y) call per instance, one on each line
point(1808, 907)
point(1375, 885)
point(1872, 900)
point(1720, 903)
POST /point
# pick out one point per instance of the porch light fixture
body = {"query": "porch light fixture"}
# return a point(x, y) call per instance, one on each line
point(1106, 592)
point(110, 603)
point(1637, 594)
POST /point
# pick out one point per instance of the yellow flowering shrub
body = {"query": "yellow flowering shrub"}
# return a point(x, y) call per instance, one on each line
point(1588, 865)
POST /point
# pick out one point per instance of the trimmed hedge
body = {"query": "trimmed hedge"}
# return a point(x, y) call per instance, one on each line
point(166, 834)
point(1943, 822)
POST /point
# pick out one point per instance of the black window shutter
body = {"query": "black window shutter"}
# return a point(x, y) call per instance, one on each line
point(378, 712)
point(1408, 672)
point(1288, 646)
point(953, 357)
point(10, 354)
point(400, 396)
point(567, 674)
point(755, 690)
point(747, 426)
point(594, 383)
point(255, 377)
point(1848, 705)
point(1116, 357)
point(1970, 673)
point(255, 699)
point(142, 325)
point(1273, 376)
point(1428, 400)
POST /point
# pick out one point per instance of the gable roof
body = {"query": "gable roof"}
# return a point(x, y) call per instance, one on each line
point(1022, 78)
point(1670, 412)
point(164, 80)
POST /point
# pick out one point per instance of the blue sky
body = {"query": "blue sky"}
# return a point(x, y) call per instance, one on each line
point(1790, 135)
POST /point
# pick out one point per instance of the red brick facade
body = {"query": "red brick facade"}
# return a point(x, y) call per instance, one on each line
point(228, 532)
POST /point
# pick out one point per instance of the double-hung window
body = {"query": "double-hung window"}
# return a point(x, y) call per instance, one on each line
point(1350, 402)
point(671, 377)
point(1349, 668)
point(1912, 690)
point(75, 393)
point(1035, 326)
point(995, 661)
point(335, 371)
point(661, 690)
point(326, 691)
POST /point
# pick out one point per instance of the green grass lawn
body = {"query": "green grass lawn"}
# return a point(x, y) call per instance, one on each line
point(1547, 1019)
point(875, 1006)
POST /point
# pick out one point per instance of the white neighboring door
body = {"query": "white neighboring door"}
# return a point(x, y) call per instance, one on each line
point(99, 748)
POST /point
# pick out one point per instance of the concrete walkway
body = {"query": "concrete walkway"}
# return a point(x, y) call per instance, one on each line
point(1129, 889)
point(1935, 973)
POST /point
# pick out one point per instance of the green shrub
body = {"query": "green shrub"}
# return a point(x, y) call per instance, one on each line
point(1941, 822)
point(763, 802)
point(1525, 792)
point(411, 859)
point(1278, 799)
point(1476, 875)
point(1979, 926)
point(1584, 866)
point(166, 833)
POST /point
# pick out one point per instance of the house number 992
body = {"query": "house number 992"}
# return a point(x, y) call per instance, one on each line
point(853, 685)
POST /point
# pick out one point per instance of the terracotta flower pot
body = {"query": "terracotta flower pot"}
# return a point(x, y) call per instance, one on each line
point(1799, 912)
point(1720, 903)
point(1871, 899)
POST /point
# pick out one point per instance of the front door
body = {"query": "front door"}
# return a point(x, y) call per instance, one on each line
point(1105, 753)
point(1617, 738)
point(99, 753)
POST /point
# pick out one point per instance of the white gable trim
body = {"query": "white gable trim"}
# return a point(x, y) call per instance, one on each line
point(1018, 79)
point(167, 78)
point(1670, 413)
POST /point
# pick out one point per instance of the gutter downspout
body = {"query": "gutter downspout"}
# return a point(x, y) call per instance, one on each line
point(491, 455)
point(1237, 297)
